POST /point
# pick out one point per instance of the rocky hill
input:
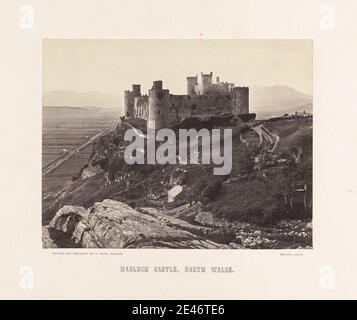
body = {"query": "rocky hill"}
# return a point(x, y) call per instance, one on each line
point(266, 201)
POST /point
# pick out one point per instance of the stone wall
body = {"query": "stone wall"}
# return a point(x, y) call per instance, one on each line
point(182, 106)
point(178, 107)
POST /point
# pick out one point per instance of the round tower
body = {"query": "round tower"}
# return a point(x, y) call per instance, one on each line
point(206, 82)
point(206, 78)
point(157, 85)
point(128, 103)
point(240, 100)
point(191, 83)
point(136, 90)
point(159, 103)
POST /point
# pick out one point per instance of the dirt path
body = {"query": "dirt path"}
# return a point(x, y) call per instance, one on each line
point(265, 134)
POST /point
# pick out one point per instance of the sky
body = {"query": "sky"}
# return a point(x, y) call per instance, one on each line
point(112, 66)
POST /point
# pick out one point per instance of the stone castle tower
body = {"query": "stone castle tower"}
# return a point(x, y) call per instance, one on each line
point(160, 108)
point(129, 98)
point(206, 79)
point(195, 88)
point(240, 100)
point(159, 102)
point(192, 82)
point(128, 103)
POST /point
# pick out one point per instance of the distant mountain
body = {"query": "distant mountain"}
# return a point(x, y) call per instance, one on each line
point(82, 99)
point(264, 101)
point(277, 100)
point(64, 112)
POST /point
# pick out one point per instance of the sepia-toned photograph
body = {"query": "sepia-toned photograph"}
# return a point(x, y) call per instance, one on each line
point(177, 144)
point(134, 133)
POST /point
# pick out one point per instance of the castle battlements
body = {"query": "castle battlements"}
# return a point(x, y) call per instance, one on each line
point(160, 108)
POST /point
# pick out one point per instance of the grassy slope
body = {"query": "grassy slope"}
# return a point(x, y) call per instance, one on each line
point(253, 198)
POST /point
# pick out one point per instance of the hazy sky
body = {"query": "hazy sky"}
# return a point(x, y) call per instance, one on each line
point(111, 66)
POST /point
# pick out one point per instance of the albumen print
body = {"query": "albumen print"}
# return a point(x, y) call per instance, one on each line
point(170, 144)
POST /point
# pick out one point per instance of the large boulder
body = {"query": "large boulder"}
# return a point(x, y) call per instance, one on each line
point(113, 224)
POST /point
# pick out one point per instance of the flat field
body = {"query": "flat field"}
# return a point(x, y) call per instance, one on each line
point(65, 129)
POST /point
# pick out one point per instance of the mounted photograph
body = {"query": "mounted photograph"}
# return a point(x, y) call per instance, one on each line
point(177, 144)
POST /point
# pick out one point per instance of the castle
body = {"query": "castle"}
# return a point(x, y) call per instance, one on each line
point(203, 97)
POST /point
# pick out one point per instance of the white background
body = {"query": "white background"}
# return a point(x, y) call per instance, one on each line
point(258, 273)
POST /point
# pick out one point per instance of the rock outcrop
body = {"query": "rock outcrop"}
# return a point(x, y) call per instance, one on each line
point(113, 224)
point(67, 218)
point(47, 241)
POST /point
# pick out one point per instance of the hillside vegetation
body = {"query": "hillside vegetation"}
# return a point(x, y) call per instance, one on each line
point(265, 202)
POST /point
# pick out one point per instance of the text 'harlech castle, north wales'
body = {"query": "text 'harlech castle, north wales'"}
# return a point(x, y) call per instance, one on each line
point(204, 97)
